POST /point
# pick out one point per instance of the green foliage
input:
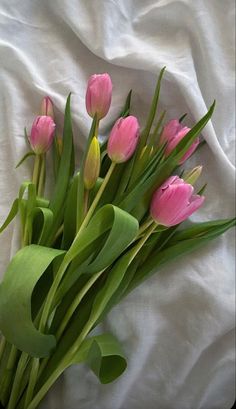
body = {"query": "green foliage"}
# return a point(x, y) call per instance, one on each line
point(22, 274)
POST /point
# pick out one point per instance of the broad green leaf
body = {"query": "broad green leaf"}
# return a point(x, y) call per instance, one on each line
point(104, 355)
point(13, 212)
point(42, 202)
point(23, 272)
point(45, 221)
point(121, 229)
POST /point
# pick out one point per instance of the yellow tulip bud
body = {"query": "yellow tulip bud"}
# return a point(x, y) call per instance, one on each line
point(192, 176)
point(92, 164)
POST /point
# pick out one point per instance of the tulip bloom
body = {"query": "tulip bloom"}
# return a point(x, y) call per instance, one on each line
point(47, 107)
point(42, 133)
point(174, 202)
point(172, 134)
point(98, 95)
point(123, 139)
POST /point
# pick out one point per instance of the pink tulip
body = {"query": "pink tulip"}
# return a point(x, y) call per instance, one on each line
point(123, 139)
point(174, 202)
point(42, 133)
point(173, 133)
point(98, 95)
point(47, 107)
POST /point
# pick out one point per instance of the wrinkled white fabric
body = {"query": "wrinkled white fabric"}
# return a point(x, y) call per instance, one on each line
point(177, 329)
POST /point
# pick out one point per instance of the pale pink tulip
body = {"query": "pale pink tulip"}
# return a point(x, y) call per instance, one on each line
point(42, 133)
point(123, 139)
point(98, 95)
point(174, 202)
point(172, 134)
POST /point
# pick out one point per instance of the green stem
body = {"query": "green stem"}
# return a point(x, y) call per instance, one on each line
point(17, 381)
point(144, 226)
point(42, 174)
point(76, 303)
point(47, 305)
point(36, 171)
point(140, 244)
point(87, 328)
point(2, 346)
point(86, 201)
point(65, 263)
point(70, 312)
point(61, 367)
point(97, 198)
point(58, 233)
point(7, 375)
point(32, 382)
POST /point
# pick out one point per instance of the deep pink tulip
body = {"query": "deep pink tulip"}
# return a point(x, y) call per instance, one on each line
point(173, 133)
point(98, 95)
point(42, 133)
point(123, 139)
point(174, 202)
point(47, 107)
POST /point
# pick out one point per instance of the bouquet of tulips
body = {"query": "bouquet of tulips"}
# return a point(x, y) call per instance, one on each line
point(105, 228)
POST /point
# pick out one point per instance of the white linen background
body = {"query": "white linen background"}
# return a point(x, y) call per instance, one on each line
point(177, 329)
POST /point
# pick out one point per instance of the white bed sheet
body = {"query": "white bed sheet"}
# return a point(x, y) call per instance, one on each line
point(177, 329)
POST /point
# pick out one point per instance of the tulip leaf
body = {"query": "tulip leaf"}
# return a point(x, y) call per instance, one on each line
point(70, 213)
point(23, 272)
point(113, 281)
point(104, 355)
point(13, 212)
point(181, 243)
point(27, 155)
point(152, 112)
point(117, 229)
point(64, 173)
point(163, 170)
point(209, 229)
point(189, 138)
point(126, 109)
point(45, 221)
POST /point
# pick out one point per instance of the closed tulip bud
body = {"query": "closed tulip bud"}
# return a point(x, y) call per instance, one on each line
point(42, 133)
point(92, 164)
point(174, 202)
point(123, 139)
point(192, 176)
point(98, 95)
point(172, 134)
point(47, 107)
